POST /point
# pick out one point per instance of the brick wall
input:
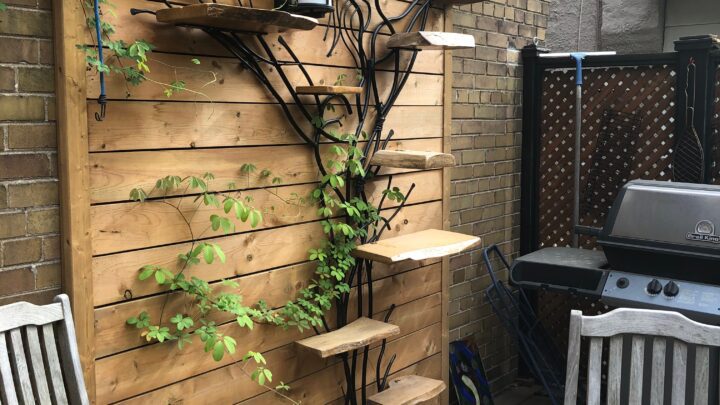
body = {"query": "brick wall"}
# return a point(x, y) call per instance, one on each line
point(486, 135)
point(29, 216)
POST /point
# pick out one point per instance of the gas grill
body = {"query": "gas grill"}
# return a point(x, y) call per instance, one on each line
point(659, 250)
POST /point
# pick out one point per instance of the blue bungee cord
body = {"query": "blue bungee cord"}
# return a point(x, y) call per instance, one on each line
point(102, 99)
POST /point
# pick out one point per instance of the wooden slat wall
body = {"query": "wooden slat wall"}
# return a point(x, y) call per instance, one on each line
point(146, 136)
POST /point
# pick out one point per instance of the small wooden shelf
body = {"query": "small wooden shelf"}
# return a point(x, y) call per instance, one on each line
point(428, 244)
point(328, 90)
point(412, 159)
point(357, 334)
point(407, 390)
point(235, 18)
point(431, 40)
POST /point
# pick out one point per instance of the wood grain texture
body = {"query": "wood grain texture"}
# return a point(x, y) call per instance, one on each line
point(127, 226)
point(637, 359)
point(132, 372)
point(162, 125)
point(431, 40)
point(210, 387)
point(327, 385)
point(594, 379)
point(21, 369)
point(235, 18)
point(702, 374)
point(573, 358)
point(679, 369)
point(169, 38)
point(326, 90)
point(53, 364)
point(408, 390)
point(651, 322)
point(657, 377)
point(22, 313)
point(357, 334)
point(70, 87)
point(234, 85)
point(431, 243)
point(7, 394)
point(412, 159)
point(37, 366)
point(614, 370)
point(114, 175)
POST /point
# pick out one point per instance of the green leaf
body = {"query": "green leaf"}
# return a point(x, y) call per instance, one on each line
point(230, 344)
point(146, 272)
point(218, 251)
point(195, 61)
point(255, 218)
point(160, 277)
point(267, 374)
point(218, 351)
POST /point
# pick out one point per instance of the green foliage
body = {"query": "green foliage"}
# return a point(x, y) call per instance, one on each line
point(3, 6)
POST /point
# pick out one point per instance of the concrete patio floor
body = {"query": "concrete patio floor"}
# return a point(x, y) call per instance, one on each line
point(522, 395)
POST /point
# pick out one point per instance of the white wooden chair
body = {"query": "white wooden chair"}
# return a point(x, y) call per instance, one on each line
point(35, 367)
point(639, 323)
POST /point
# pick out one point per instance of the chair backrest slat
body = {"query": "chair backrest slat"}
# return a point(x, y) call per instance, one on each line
point(21, 369)
point(594, 371)
point(702, 374)
point(53, 365)
point(37, 365)
point(614, 370)
point(640, 325)
point(637, 358)
point(40, 370)
point(573, 359)
point(679, 367)
point(657, 373)
point(6, 376)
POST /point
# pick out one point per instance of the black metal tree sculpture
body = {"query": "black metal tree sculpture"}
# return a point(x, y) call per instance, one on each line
point(242, 32)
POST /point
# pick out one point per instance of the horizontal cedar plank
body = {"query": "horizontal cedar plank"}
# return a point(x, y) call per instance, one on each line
point(112, 335)
point(116, 274)
point(169, 38)
point(237, 85)
point(114, 175)
point(329, 383)
point(430, 367)
point(210, 387)
point(162, 125)
point(136, 371)
point(130, 225)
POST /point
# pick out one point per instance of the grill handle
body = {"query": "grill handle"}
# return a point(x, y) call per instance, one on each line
point(588, 230)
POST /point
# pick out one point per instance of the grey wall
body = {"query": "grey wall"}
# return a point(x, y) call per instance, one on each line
point(690, 17)
point(625, 26)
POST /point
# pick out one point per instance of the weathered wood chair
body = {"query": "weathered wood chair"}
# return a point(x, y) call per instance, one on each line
point(640, 324)
point(35, 367)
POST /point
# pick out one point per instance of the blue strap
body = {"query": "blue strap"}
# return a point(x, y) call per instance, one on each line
point(98, 33)
point(578, 56)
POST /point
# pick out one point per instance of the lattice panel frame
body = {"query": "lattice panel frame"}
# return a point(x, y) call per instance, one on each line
point(715, 129)
point(647, 91)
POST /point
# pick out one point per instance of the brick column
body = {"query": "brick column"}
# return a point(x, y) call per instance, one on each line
point(29, 217)
point(486, 138)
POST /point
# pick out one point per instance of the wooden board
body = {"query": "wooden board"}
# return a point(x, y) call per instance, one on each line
point(412, 159)
point(235, 18)
point(114, 175)
point(432, 40)
point(166, 124)
point(408, 390)
point(211, 387)
point(357, 334)
point(416, 246)
point(328, 90)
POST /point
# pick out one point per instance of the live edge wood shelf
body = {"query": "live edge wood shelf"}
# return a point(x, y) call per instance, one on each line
point(235, 18)
point(412, 159)
point(327, 90)
point(428, 244)
point(407, 390)
point(431, 40)
point(357, 334)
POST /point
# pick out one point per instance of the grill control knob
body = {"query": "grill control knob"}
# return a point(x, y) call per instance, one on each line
point(654, 287)
point(671, 289)
point(623, 282)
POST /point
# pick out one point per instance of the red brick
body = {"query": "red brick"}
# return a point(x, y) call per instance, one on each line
point(24, 165)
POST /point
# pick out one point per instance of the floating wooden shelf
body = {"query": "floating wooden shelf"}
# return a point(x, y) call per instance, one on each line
point(428, 244)
point(328, 90)
point(235, 18)
point(431, 40)
point(412, 159)
point(408, 390)
point(357, 334)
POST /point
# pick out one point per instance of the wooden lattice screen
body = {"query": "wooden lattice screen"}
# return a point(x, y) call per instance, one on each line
point(643, 93)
